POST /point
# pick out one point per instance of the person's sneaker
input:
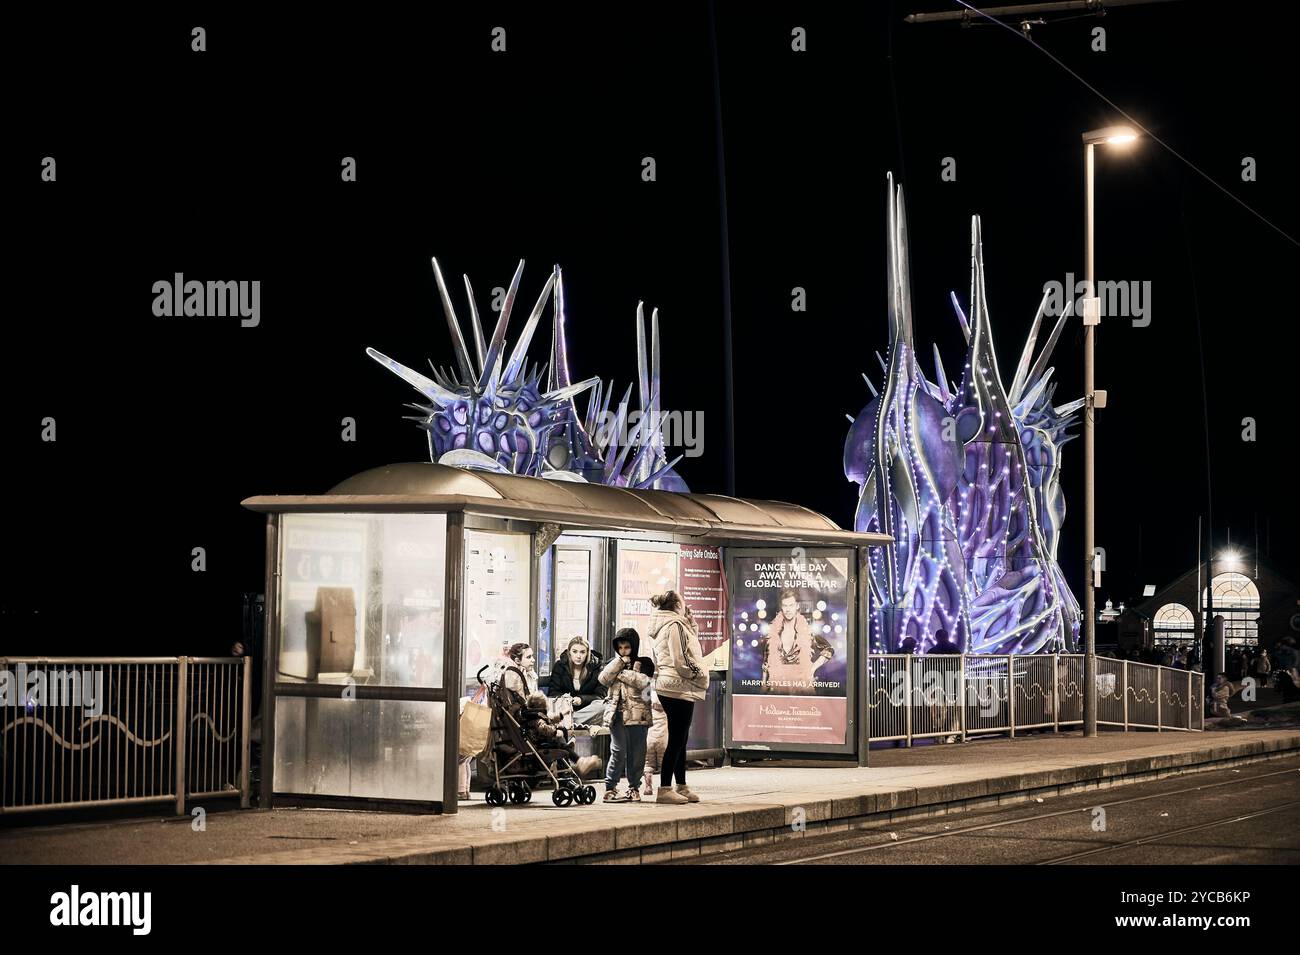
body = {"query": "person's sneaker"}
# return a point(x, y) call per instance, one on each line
point(686, 791)
point(613, 795)
point(668, 795)
point(634, 795)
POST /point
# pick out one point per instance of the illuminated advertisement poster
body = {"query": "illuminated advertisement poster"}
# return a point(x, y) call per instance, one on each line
point(701, 584)
point(643, 571)
point(790, 647)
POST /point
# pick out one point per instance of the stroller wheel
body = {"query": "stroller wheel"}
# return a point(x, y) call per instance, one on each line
point(527, 790)
point(520, 792)
point(562, 797)
point(495, 796)
point(589, 794)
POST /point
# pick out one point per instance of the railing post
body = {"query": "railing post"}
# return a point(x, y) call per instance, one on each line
point(907, 696)
point(961, 695)
point(245, 732)
point(1124, 693)
point(1011, 695)
point(182, 723)
point(1056, 692)
point(1188, 704)
point(1160, 687)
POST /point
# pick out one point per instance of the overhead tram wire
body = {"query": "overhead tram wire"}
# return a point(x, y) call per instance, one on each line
point(1081, 4)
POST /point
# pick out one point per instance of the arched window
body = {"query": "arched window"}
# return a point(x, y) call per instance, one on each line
point(1174, 623)
point(1236, 599)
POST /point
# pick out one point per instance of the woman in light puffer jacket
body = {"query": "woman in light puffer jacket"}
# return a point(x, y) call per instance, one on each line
point(680, 682)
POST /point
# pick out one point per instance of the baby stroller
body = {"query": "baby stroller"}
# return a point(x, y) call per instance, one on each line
point(525, 750)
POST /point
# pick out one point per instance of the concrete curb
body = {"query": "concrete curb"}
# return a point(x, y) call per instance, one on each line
point(704, 828)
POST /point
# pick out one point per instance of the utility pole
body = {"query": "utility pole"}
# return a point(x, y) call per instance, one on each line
point(1092, 400)
point(1090, 320)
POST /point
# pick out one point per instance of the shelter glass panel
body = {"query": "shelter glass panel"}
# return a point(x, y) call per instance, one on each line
point(362, 599)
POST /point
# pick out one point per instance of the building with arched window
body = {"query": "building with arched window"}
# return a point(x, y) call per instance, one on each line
point(1236, 598)
point(1258, 604)
point(1173, 624)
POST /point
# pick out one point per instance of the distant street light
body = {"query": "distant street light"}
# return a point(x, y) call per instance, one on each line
point(1113, 136)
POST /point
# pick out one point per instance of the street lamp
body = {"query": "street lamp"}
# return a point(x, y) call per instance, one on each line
point(1112, 136)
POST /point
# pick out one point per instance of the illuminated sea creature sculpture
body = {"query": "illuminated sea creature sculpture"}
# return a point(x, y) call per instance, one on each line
point(966, 478)
point(492, 413)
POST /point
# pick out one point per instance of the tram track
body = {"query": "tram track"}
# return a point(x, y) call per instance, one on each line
point(1243, 788)
point(1146, 840)
point(1022, 820)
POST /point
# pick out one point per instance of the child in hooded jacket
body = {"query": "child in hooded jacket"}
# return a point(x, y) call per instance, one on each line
point(627, 714)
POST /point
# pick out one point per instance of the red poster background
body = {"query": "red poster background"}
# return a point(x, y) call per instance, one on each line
point(700, 584)
point(790, 719)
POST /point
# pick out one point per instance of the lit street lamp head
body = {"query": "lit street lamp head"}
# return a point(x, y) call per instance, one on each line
point(1111, 135)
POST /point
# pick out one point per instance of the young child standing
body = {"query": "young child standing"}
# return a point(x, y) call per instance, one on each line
point(627, 714)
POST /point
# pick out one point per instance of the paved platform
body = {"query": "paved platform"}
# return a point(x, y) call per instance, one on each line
point(740, 806)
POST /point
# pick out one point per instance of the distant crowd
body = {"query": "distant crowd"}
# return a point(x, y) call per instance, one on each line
point(1179, 657)
point(1239, 662)
point(1276, 669)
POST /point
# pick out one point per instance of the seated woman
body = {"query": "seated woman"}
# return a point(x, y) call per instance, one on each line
point(522, 660)
point(577, 676)
point(530, 706)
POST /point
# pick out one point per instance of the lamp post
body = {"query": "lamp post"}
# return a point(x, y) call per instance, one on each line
point(1112, 135)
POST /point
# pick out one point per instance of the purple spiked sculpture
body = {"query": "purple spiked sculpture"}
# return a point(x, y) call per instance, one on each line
point(493, 414)
point(965, 478)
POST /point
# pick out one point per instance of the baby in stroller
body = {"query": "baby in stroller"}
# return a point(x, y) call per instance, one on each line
point(527, 745)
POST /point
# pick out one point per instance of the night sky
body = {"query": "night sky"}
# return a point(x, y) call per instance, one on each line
point(224, 165)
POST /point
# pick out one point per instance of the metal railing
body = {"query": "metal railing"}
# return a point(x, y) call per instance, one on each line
point(914, 697)
point(103, 731)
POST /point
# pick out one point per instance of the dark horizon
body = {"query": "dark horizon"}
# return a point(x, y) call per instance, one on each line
point(225, 165)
